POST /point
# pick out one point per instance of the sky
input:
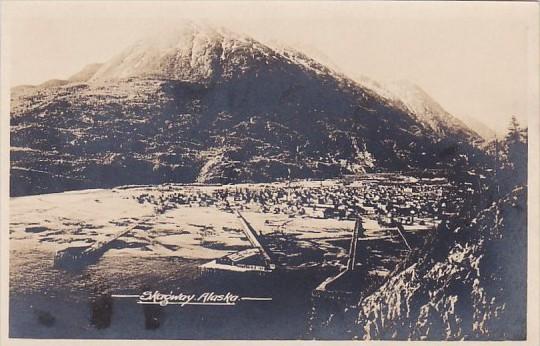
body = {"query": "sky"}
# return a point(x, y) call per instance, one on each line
point(476, 59)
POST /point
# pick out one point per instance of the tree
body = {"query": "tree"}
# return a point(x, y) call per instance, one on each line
point(515, 150)
point(515, 132)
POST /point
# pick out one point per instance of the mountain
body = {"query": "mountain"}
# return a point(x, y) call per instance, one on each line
point(411, 98)
point(486, 132)
point(201, 104)
point(86, 73)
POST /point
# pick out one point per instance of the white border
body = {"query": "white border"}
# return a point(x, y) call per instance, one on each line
point(533, 325)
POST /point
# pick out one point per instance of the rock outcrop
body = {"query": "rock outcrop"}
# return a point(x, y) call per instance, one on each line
point(468, 282)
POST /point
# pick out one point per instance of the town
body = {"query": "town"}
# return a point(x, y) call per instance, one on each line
point(385, 197)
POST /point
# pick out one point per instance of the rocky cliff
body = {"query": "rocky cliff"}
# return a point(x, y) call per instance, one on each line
point(468, 282)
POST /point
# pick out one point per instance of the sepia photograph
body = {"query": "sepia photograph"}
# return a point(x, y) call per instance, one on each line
point(311, 170)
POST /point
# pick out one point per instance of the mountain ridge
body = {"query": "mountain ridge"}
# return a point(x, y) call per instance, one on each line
point(201, 106)
point(412, 97)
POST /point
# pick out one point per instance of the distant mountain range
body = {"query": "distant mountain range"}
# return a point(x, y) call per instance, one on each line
point(412, 98)
point(206, 105)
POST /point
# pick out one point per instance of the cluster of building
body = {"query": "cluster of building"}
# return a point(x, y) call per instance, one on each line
point(387, 200)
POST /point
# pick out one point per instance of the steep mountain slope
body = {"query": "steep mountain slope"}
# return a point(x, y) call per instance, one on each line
point(469, 282)
point(206, 105)
point(86, 73)
point(413, 99)
point(486, 132)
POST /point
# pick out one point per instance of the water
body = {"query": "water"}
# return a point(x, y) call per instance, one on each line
point(51, 303)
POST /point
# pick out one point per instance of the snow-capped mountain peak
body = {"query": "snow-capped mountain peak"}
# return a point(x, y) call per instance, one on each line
point(191, 52)
point(413, 99)
point(203, 104)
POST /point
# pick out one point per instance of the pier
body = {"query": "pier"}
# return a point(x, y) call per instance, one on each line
point(256, 259)
point(357, 233)
point(343, 283)
point(80, 256)
point(351, 284)
point(254, 239)
point(343, 289)
point(349, 279)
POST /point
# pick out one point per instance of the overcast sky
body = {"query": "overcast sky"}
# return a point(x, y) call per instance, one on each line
point(476, 59)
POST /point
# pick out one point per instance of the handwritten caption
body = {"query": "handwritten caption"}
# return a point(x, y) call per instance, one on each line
point(183, 299)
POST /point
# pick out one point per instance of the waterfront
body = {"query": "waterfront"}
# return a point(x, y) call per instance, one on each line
point(51, 303)
point(174, 239)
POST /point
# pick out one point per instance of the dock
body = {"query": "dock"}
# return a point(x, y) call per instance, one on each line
point(353, 250)
point(341, 282)
point(254, 239)
point(256, 259)
point(80, 256)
